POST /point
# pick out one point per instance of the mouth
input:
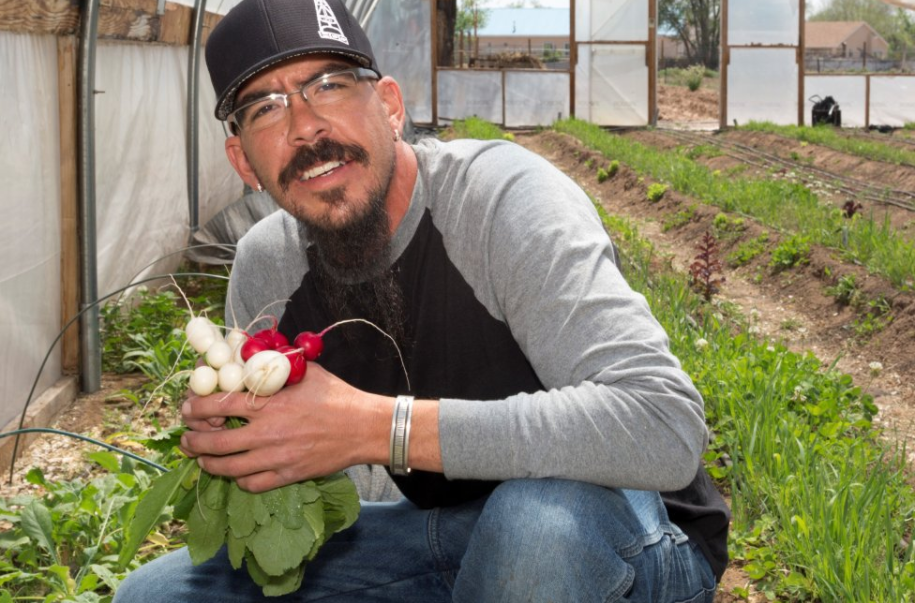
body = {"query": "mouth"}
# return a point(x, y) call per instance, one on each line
point(320, 170)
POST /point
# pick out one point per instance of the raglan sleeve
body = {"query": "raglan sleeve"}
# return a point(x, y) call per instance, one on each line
point(617, 409)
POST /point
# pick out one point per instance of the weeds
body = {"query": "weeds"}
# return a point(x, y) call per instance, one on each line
point(678, 219)
point(780, 204)
point(820, 501)
point(790, 252)
point(828, 137)
point(705, 270)
point(656, 192)
point(604, 174)
point(474, 127)
point(748, 251)
point(845, 290)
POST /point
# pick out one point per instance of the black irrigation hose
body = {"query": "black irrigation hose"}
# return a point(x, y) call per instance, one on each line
point(135, 457)
point(64, 330)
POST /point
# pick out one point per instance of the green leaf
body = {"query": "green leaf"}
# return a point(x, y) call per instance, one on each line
point(37, 525)
point(63, 575)
point(289, 511)
point(240, 508)
point(5, 596)
point(236, 548)
point(217, 493)
point(274, 586)
point(106, 575)
point(315, 515)
point(277, 549)
point(340, 493)
point(108, 460)
point(206, 532)
point(36, 476)
point(150, 508)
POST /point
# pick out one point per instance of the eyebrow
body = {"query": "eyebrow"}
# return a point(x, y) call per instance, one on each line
point(254, 95)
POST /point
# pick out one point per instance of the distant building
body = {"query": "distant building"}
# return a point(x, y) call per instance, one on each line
point(843, 39)
point(541, 32)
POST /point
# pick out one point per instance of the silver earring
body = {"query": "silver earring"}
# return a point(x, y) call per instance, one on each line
point(396, 135)
point(260, 188)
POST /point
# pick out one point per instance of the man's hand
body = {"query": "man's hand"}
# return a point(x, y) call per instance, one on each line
point(314, 428)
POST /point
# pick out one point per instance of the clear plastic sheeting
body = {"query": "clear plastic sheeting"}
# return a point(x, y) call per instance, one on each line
point(141, 173)
point(611, 20)
point(463, 94)
point(215, 243)
point(766, 22)
point(850, 91)
point(535, 98)
point(611, 85)
point(407, 56)
point(30, 229)
point(763, 85)
point(892, 101)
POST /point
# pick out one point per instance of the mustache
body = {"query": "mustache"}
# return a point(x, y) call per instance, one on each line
point(321, 152)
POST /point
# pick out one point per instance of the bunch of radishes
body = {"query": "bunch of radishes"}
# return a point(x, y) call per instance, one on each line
point(262, 363)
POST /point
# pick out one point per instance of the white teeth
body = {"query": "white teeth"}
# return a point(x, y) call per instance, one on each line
point(320, 169)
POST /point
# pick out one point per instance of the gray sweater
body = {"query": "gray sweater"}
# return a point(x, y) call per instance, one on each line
point(614, 408)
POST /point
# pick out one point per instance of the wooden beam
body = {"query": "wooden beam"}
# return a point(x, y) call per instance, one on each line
point(67, 50)
point(133, 20)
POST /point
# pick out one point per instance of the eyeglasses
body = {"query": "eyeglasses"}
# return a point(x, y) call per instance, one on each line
point(326, 89)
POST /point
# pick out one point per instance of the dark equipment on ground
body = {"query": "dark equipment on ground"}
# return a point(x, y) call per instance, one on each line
point(825, 111)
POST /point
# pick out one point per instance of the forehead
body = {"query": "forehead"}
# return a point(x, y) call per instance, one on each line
point(294, 71)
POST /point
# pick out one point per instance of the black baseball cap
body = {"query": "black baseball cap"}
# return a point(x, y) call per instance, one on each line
point(257, 34)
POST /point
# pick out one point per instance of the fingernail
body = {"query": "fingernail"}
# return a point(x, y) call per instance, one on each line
point(186, 408)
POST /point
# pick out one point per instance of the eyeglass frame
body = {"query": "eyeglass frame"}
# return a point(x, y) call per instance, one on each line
point(359, 73)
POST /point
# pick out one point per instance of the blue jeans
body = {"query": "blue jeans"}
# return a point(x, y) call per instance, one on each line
point(530, 540)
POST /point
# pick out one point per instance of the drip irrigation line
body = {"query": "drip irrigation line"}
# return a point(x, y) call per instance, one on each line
point(223, 246)
point(60, 335)
point(69, 434)
point(864, 190)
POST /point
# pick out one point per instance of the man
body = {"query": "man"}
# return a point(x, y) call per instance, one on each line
point(544, 411)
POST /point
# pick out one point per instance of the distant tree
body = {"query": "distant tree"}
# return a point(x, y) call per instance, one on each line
point(471, 16)
point(896, 25)
point(697, 24)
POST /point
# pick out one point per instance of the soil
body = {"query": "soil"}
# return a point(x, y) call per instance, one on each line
point(790, 306)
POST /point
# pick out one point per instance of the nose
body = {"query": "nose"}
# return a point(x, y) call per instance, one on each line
point(305, 124)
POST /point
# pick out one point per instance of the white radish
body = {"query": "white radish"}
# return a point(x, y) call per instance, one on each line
point(231, 377)
point(218, 354)
point(204, 380)
point(236, 337)
point(201, 333)
point(266, 372)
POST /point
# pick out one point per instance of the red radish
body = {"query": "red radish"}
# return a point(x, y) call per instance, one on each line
point(310, 343)
point(252, 347)
point(274, 338)
point(297, 361)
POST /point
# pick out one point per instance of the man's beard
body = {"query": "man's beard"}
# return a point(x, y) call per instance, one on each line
point(353, 272)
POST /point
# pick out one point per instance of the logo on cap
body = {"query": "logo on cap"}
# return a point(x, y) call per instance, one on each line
point(328, 26)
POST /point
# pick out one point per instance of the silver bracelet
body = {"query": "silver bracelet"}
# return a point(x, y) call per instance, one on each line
point(400, 435)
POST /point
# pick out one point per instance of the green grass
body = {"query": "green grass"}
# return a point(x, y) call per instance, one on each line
point(828, 137)
point(785, 206)
point(820, 502)
point(474, 127)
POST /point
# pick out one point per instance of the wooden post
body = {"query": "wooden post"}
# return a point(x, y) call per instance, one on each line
point(573, 58)
point(652, 57)
point(801, 64)
point(69, 198)
point(723, 69)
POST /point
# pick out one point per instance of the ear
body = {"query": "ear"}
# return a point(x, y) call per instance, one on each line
point(239, 160)
point(392, 99)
